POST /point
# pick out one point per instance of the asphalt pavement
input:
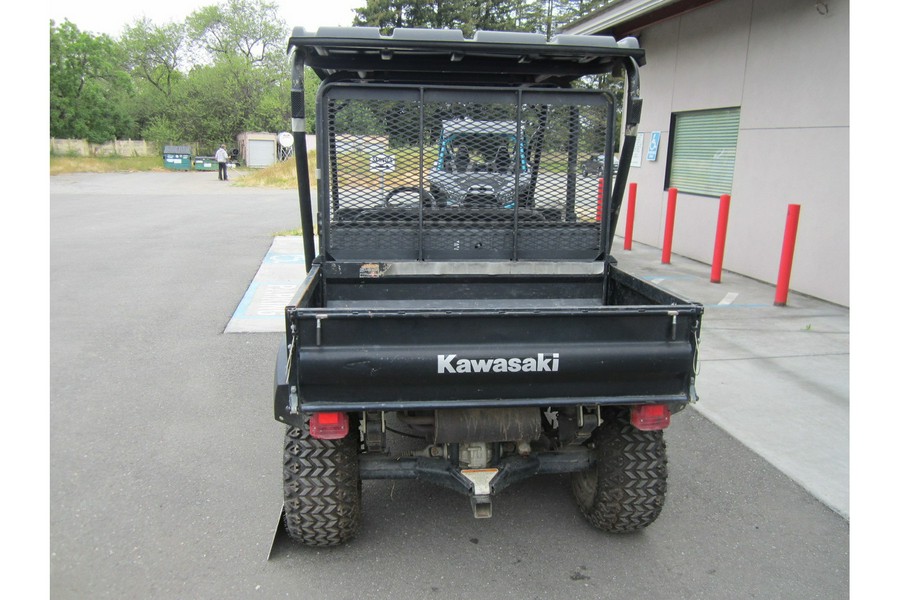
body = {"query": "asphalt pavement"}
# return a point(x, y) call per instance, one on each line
point(165, 473)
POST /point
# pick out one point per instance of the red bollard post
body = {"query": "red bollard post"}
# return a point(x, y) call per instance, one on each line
point(719, 249)
point(629, 216)
point(787, 254)
point(600, 200)
point(670, 227)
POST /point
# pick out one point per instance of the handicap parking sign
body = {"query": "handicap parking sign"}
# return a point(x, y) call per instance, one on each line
point(654, 145)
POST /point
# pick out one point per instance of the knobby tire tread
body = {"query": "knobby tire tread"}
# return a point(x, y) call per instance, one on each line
point(626, 489)
point(322, 501)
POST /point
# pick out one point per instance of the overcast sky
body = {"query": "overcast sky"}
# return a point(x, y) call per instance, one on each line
point(111, 17)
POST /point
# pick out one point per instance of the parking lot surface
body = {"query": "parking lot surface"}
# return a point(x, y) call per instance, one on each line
point(165, 460)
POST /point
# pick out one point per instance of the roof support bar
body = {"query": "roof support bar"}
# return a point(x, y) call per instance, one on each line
point(298, 126)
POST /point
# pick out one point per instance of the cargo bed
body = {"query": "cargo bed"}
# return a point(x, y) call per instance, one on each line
point(419, 342)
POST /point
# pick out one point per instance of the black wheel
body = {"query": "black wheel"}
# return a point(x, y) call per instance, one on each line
point(626, 489)
point(322, 500)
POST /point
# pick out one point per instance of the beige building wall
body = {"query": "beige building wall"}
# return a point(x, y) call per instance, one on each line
point(113, 148)
point(787, 67)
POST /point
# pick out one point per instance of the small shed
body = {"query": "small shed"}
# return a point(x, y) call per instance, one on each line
point(258, 149)
point(177, 158)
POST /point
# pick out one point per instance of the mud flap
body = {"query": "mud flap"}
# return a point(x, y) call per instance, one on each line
point(281, 539)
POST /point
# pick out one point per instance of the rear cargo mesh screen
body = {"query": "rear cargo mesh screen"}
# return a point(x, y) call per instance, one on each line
point(421, 173)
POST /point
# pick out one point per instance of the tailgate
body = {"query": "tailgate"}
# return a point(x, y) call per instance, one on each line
point(429, 359)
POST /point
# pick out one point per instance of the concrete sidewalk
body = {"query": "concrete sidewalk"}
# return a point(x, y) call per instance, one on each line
point(775, 378)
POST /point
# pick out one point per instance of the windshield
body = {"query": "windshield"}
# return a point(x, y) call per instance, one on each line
point(481, 152)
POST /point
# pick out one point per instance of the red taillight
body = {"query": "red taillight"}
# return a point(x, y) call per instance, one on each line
point(650, 417)
point(329, 425)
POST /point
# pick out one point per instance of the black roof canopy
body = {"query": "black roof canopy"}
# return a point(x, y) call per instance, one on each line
point(522, 57)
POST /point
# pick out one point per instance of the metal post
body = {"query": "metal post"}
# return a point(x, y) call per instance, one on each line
point(298, 127)
point(721, 229)
point(787, 254)
point(670, 227)
point(629, 215)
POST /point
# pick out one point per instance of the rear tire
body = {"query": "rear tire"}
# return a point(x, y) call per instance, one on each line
point(626, 489)
point(322, 499)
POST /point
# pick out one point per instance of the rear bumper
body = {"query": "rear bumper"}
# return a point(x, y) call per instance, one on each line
point(442, 472)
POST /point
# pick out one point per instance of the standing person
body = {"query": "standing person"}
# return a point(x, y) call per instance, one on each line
point(222, 159)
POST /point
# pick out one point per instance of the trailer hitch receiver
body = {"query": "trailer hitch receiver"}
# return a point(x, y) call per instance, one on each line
point(481, 490)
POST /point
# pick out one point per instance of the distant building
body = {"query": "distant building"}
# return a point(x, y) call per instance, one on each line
point(257, 148)
point(749, 98)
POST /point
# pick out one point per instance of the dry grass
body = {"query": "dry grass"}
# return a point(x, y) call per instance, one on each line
point(60, 165)
point(281, 175)
point(354, 171)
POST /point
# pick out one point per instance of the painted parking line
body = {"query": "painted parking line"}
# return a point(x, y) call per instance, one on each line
point(265, 299)
point(273, 287)
point(282, 258)
point(728, 299)
point(754, 305)
point(656, 277)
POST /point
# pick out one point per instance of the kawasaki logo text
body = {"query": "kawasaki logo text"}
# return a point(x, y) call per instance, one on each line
point(449, 363)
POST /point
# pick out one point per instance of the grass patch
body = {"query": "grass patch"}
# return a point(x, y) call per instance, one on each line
point(353, 171)
point(61, 165)
point(296, 231)
point(354, 168)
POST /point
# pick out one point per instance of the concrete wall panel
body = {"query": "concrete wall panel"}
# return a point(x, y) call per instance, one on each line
point(787, 67)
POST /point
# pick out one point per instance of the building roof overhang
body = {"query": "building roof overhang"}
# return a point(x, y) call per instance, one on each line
point(629, 17)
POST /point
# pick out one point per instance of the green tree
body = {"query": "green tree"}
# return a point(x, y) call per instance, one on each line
point(88, 86)
point(154, 53)
point(388, 15)
point(214, 103)
point(250, 29)
point(163, 130)
point(489, 15)
point(544, 16)
point(155, 56)
point(272, 111)
point(557, 14)
point(223, 70)
point(247, 85)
